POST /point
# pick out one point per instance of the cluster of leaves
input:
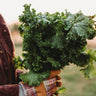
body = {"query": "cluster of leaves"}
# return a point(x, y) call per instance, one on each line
point(52, 41)
point(89, 71)
point(18, 63)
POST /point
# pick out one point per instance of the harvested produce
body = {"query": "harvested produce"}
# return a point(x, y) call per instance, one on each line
point(52, 41)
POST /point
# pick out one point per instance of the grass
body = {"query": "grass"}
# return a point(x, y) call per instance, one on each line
point(73, 80)
point(76, 84)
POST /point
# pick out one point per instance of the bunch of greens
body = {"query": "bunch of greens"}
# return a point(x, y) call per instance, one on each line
point(52, 41)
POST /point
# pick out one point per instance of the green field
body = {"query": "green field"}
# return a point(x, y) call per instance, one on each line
point(72, 80)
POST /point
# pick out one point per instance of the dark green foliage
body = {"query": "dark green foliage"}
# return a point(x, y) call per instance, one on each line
point(52, 41)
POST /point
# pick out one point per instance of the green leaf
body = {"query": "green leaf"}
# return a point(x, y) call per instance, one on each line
point(34, 79)
point(91, 53)
point(18, 63)
point(61, 90)
point(80, 26)
point(89, 71)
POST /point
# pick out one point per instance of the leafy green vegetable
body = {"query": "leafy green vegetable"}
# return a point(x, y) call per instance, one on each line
point(61, 90)
point(18, 63)
point(34, 79)
point(52, 41)
point(90, 71)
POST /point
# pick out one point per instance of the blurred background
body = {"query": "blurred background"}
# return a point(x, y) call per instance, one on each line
point(72, 79)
